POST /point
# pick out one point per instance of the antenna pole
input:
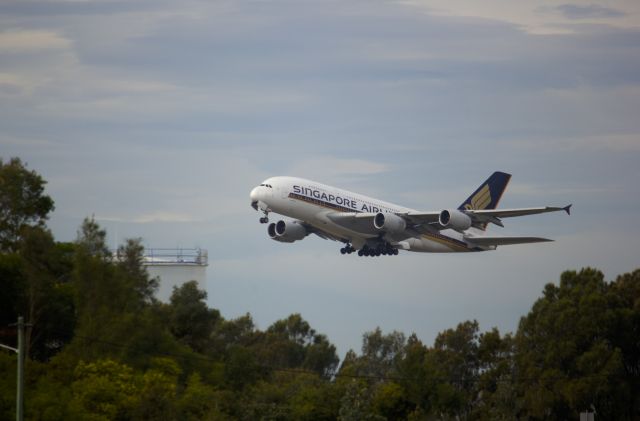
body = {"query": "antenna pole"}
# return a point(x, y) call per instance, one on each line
point(20, 392)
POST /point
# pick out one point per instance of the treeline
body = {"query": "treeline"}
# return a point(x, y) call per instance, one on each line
point(101, 347)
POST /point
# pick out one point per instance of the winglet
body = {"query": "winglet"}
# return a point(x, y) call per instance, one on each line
point(567, 209)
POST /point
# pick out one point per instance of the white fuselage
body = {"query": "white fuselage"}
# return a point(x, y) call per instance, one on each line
point(312, 202)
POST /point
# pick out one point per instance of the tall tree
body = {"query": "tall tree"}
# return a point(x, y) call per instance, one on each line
point(191, 321)
point(141, 287)
point(568, 352)
point(291, 342)
point(22, 202)
point(47, 297)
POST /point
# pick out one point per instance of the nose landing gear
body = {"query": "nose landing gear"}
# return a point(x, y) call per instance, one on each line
point(265, 218)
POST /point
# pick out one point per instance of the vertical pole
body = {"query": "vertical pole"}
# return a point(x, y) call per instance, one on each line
point(20, 391)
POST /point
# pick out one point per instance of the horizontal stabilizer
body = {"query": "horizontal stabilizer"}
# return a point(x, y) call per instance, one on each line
point(504, 241)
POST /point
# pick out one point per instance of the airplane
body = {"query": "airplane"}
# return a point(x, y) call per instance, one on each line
point(373, 227)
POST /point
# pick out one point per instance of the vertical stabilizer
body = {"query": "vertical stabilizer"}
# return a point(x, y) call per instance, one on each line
point(488, 194)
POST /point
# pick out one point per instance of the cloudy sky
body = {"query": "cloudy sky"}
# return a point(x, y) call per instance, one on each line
point(159, 116)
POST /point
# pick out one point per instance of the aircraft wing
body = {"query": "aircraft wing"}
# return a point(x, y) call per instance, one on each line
point(421, 218)
point(481, 216)
point(363, 221)
point(359, 222)
point(503, 241)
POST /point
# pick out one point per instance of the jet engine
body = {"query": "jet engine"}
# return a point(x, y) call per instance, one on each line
point(389, 222)
point(287, 231)
point(455, 219)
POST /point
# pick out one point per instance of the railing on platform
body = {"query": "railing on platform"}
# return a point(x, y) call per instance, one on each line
point(160, 256)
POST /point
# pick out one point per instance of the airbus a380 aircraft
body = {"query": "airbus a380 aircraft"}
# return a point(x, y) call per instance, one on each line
point(373, 227)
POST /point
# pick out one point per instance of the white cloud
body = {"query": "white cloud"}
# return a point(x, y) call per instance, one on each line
point(24, 141)
point(161, 216)
point(533, 190)
point(13, 84)
point(608, 142)
point(32, 41)
point(534, 16)
point(157, 216)
point(327, 167)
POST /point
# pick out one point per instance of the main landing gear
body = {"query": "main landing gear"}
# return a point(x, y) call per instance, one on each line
point(385, 249)
point(348, 249)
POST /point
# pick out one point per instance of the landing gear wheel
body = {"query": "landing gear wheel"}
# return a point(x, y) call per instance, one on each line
point(348, 249)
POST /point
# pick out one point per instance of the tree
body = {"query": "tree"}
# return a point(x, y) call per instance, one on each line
point(626, 291)
point(291, 342)
point(47, 297)
point(104, 390)
point(22, 202)
point(157, 391)
point(374, 396)
point(321, 357)
point(117, 317)
point(236, 332)
point(12, 283)
point(355, 404)
point(130, 259)
point(199, 401)
point(570, 354)
point(98, 294)
point(495, 394)
point(191, 321)
point(380, 353)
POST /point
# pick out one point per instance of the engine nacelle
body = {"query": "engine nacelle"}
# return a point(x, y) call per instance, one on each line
point(389, 222)
point(455, 219)
point(286, 232)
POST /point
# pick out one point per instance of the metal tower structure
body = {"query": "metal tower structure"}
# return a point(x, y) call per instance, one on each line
point(174, 267)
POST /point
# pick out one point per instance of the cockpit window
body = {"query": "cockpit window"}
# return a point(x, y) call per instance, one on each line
point(266, 185)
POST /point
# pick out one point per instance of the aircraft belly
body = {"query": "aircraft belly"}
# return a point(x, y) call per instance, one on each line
point(428, 246)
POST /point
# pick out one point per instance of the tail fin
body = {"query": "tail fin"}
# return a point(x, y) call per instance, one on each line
point(488, 194)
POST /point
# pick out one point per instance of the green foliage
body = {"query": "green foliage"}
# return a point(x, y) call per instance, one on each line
point(22, 202)
point(7, 385)
point(191, 321)
point(570, 351)
point(13, 287)
point(134, 275)
point(47, 299)
point(104, 390)
point(199, 401)
point(356, 404)
point(390, 401)
point(291, 342)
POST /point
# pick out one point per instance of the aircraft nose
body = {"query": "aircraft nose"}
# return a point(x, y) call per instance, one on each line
point(255, 194)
